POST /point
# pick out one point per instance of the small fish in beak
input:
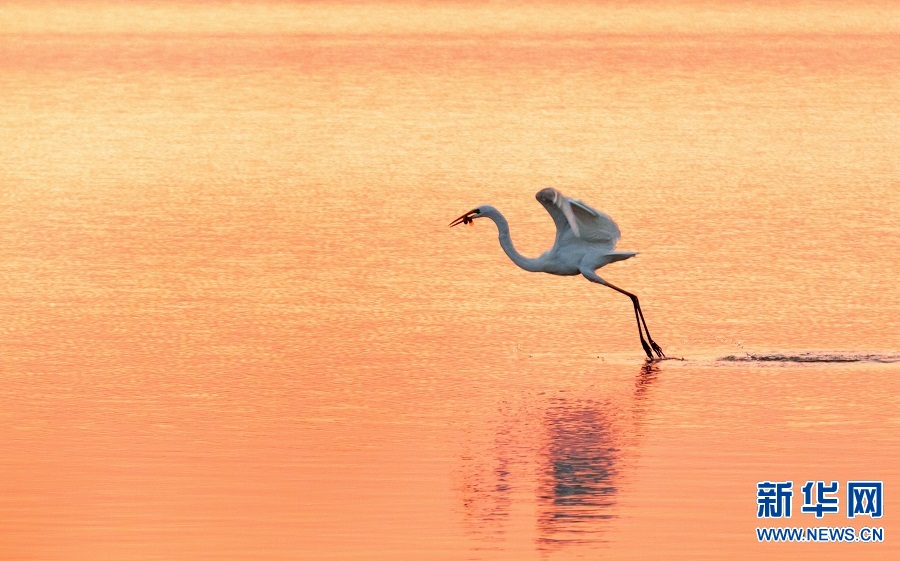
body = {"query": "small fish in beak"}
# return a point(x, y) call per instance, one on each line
point(467, 218)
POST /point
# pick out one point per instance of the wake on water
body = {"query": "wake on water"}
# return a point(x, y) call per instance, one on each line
point(819, 357)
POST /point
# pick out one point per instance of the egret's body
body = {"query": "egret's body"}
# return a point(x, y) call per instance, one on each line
point(585, 241)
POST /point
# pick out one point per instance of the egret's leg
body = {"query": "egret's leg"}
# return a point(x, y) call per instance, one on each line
point(641, 335)
point(638, 315)
point(653, 344)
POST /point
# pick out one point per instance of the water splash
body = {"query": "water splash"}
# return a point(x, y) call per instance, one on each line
point(817, 357)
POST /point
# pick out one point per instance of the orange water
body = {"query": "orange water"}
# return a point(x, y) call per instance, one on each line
point(235, 324)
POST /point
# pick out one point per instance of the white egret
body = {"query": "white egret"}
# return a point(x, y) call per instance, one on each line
point(585, 241)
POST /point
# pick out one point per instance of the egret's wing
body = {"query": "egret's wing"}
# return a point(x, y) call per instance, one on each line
point(551, 200)
point(583, 221)
point(591, 224)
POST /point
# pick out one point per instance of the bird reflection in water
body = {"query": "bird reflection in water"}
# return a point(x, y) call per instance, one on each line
point(586, 452)
point(641, 389)
point(581, 462)
point(576, 465)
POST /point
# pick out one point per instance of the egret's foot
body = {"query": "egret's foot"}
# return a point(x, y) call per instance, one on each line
point(657, 349)
point(646, 348)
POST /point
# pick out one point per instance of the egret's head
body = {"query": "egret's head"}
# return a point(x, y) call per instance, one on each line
point(469, 217)
point(547, 195)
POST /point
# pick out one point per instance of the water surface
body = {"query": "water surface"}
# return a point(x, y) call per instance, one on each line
point(235, 323)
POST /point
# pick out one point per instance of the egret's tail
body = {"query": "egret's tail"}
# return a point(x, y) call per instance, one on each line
point(614, 256)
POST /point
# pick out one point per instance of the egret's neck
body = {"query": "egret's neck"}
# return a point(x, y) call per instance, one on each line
point(526, 263)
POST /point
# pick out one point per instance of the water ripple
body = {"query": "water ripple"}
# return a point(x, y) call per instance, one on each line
point(817, 357)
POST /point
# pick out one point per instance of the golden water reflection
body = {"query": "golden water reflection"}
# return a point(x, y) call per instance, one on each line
point(578, 453)
point(235, 325)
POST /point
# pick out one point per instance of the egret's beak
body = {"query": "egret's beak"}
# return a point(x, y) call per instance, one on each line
point(466, 218)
